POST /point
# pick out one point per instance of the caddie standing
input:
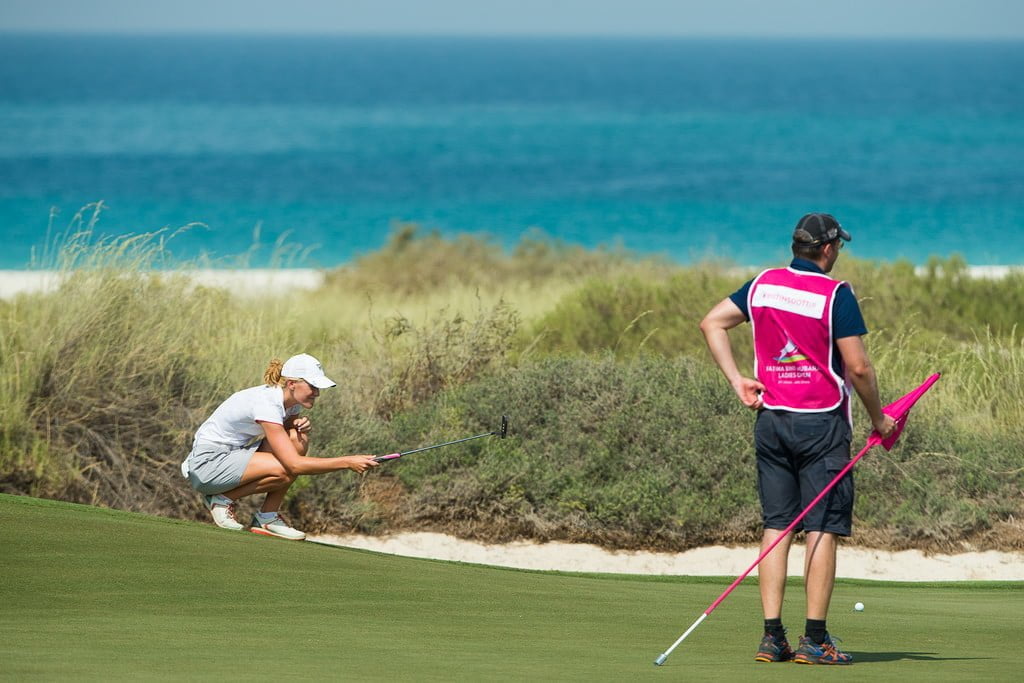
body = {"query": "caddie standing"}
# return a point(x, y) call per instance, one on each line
point(807, 330)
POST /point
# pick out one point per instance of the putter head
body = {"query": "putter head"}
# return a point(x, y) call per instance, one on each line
point(503, 432)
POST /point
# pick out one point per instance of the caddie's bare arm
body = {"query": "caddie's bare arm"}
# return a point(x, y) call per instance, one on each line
point(862, 376)
point(715, 326)
point(284, 450)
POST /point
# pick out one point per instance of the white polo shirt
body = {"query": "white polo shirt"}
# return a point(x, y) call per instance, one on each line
point(235, 422)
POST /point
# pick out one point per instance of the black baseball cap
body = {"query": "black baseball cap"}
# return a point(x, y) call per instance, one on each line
point(818, 228)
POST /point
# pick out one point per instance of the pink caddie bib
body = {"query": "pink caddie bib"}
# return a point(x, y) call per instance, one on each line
point(791, 316)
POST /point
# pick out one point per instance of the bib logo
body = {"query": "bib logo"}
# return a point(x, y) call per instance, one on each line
point(790, 353)
point(782, 298)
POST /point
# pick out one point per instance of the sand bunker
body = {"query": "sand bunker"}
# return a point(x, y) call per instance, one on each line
point(858, 563)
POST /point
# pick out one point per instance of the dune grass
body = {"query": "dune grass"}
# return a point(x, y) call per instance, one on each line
point(93, 594)
point(624, 433)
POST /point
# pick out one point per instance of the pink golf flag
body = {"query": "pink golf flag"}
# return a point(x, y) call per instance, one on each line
point(899, 410)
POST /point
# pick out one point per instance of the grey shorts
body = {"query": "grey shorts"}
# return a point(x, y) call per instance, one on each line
point(216, 468)
point(798, 455)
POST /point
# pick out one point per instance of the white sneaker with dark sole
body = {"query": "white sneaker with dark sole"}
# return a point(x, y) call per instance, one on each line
point(223, 513)
point(276, 527)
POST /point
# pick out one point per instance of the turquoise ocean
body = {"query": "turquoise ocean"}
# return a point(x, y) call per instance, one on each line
point(692, 149)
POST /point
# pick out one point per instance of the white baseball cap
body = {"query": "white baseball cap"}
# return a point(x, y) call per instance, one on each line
point(304, 366)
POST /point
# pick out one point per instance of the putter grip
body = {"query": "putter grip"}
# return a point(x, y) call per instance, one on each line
point(390, 456)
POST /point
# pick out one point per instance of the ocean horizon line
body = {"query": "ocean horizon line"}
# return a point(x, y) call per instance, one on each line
point(517, 35)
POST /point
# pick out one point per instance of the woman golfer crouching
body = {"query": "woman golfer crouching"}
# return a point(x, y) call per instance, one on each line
point(256, 442)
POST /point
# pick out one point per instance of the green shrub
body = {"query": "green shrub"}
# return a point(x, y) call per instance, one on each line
point(656, 453)
point(624, 454)
point(415, 363)
point(630, 314)
point(413, 262)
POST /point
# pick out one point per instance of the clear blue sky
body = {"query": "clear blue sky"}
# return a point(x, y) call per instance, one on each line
point(777, 18)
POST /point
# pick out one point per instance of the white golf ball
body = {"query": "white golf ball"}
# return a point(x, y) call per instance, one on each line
point(859, 607)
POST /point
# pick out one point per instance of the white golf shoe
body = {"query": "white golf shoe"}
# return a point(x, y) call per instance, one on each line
point(223, 511)
point(276, 527)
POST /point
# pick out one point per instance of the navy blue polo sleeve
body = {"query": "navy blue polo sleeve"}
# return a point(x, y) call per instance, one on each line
point(739, 297)
point(847, 320)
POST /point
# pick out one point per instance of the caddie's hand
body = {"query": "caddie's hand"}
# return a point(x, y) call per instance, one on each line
point(360, 463)
point(885, 426)
point(302, 424)
point(749, 391)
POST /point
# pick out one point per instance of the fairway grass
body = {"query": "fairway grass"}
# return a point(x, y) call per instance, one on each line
point(90, 593)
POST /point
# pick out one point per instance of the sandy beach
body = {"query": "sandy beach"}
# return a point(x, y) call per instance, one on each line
point(854, 563)
point(244, 282)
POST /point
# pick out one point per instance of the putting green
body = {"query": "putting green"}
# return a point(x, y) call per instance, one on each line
point(89, 593)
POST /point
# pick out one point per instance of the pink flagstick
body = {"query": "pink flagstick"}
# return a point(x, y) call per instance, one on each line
point(898, 410)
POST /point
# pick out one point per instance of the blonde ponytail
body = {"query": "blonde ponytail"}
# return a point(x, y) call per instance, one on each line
point(272, 376)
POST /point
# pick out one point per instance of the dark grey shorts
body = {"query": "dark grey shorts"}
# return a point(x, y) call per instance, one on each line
point(215, 468)
point(798, 454)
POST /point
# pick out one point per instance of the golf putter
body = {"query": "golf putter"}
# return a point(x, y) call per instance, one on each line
point(501, 433)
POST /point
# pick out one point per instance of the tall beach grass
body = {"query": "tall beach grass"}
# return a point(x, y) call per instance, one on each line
point(624, 433)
